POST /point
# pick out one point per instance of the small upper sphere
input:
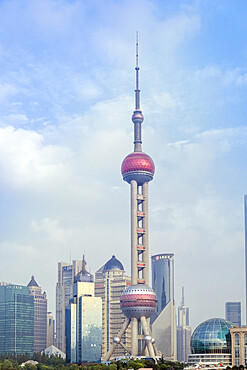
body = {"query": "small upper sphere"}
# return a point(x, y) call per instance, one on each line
point(137, 117)
point(138, 166)
point(138, 300)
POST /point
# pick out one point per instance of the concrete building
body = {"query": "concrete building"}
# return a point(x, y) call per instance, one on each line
point(64, 292)
point(183, 332)
point(164, 321)
point(50, 330)
point(16, 320)
point(239, 346)
point(110, 282)
point(54, 351)
point(211, 344)
point(233, 312)
point(83, 319)
point(40, 316)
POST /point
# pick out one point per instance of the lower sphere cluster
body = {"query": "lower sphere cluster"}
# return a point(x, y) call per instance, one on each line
point(138, 300)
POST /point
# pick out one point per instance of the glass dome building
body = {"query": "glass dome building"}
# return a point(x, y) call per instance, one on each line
point(211, 342)
point(212, 336)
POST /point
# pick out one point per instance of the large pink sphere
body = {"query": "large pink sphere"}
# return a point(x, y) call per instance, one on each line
point(138, 166)
point(138, 300)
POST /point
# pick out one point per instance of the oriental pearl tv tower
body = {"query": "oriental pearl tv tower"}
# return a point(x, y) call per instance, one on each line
point(138, 302)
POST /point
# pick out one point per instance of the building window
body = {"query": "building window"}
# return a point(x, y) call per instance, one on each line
point(237, 343)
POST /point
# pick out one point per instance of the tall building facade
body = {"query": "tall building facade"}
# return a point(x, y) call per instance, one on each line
point(83, 319)
point(50, 330)
point(245, 232)
point(64, 292)
point(233, 312)
point(16, 320)
point(40, 316)
point(183, 332)
point(239, 346)
point(164, 321)
point(110, 282)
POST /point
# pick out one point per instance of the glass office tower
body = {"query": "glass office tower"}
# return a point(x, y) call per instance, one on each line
point(164, 321)
point(233, 312)
point(16, 319)
point(83, 320)
point(245, 229)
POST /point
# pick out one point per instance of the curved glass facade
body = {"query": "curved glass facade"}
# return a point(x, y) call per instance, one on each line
point(163, 279)
point(212, 336)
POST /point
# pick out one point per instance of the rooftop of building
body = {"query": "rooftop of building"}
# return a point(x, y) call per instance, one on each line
point(84, 275)
point(113, 264)
point(32, 282)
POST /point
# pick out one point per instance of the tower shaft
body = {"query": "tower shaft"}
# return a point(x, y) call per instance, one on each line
point(139, 233)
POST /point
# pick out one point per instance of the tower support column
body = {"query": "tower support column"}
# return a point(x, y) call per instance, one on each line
point(134, 337)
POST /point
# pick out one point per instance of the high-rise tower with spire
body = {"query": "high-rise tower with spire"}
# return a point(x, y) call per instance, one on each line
point(139, 301)
point(183, 331)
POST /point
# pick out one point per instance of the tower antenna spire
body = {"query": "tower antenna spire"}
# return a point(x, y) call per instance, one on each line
point(137, 117)
point(137, 90)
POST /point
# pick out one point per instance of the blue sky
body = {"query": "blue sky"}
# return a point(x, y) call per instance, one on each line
point(66, 100)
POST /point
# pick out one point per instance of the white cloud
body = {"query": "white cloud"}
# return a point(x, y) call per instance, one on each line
point(6, 91)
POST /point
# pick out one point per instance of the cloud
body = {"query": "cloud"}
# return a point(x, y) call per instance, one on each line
point(6, 91)
point(233, 76)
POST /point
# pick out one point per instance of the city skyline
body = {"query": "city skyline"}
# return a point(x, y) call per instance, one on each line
point(66, 96)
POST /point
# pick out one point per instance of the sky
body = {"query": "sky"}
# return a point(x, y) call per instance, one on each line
point(66, 101)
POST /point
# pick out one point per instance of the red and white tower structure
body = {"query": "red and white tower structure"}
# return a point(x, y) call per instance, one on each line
point(139, 301)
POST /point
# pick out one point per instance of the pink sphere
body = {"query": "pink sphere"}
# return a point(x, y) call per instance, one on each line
point(138, 300)
point(138, 166)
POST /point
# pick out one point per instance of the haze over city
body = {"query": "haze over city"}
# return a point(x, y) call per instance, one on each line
point(66, 96)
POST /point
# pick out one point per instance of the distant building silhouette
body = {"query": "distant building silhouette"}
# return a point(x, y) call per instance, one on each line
point(40, 316)
point(64, 292)
point(16, 319)
point(110, 282)
point(233, 312)
point(50, 330)
point(183, 332)
point(164, 321)
point(83, 320)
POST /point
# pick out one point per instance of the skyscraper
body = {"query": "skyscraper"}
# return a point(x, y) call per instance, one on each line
point(40, 316)
point(110, 282)
point(233, 312)
point(183, 332)
point(83, 320)
point(50, 330)
point(164, 321)
point(139, 301)
point(245, 229)
point(64, 292)
point(183, 312)
point(16, 319)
